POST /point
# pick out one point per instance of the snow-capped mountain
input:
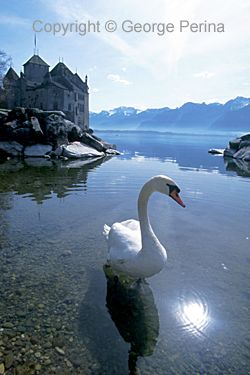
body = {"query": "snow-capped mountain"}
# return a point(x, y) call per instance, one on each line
point(233, 115)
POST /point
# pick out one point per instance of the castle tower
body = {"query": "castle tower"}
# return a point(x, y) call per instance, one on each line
point(35, 69)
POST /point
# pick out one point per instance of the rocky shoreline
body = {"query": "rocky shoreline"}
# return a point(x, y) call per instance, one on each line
point(30, 132)
point(236, 155)
point(238, 148)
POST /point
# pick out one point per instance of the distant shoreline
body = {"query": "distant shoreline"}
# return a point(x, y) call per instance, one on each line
point(214, 134)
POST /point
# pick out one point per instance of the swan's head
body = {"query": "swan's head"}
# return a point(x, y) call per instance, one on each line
point(167, 186)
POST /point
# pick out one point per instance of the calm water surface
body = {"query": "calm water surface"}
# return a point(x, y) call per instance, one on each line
point(60, 313)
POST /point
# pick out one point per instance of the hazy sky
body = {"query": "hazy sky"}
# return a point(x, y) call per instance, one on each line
point(145, 69)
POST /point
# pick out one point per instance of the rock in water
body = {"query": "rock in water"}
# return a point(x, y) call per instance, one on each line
point(59, 350)
point(112, 151)
point(76, 150)
point(2, 369)
point(229, 152)
point(10, 149)
point(243, 153)
point(8, 360)
point(37, 150)
point(35, 124)
point(239, 148)
point(56, 132)
point(216, 151)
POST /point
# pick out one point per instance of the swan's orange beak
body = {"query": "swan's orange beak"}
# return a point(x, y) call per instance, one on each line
point(177, 198)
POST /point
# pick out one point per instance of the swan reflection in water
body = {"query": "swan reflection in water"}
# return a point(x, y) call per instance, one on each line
point(132, 308)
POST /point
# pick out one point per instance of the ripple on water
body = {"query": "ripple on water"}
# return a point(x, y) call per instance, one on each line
point(193, 312)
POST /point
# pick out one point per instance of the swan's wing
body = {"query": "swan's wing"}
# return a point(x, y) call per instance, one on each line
point(132, 224)
point(124, 241)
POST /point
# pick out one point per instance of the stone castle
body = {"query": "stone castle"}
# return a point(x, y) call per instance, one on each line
point(58, 89)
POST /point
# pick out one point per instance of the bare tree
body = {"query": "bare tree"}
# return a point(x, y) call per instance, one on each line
point(5, 62)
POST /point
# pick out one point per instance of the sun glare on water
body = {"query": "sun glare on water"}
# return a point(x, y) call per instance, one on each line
point(193, 315)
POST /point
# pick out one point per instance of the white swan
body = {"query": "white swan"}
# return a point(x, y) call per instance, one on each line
point(134, 249)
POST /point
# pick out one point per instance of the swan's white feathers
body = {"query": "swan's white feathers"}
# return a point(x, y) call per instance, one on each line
point(106, 230)
point(129, 240)
point(132, 224)
point(124, 242)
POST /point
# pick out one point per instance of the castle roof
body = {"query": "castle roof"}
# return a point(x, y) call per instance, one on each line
point(78, 81)
point(35, 59)
point(61, 69)
point(11, 75)
point(61, 73)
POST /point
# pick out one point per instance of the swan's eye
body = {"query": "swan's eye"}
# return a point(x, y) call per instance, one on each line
point(173, 188)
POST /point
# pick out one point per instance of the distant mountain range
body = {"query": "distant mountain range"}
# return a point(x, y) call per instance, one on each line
point(231, 116)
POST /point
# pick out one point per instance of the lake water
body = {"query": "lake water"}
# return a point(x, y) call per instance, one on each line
point(60, 315)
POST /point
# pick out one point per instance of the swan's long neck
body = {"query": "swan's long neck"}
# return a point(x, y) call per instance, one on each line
point(146, 229)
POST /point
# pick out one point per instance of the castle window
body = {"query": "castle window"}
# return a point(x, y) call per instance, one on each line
point(69, 107)
point(55, 106)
